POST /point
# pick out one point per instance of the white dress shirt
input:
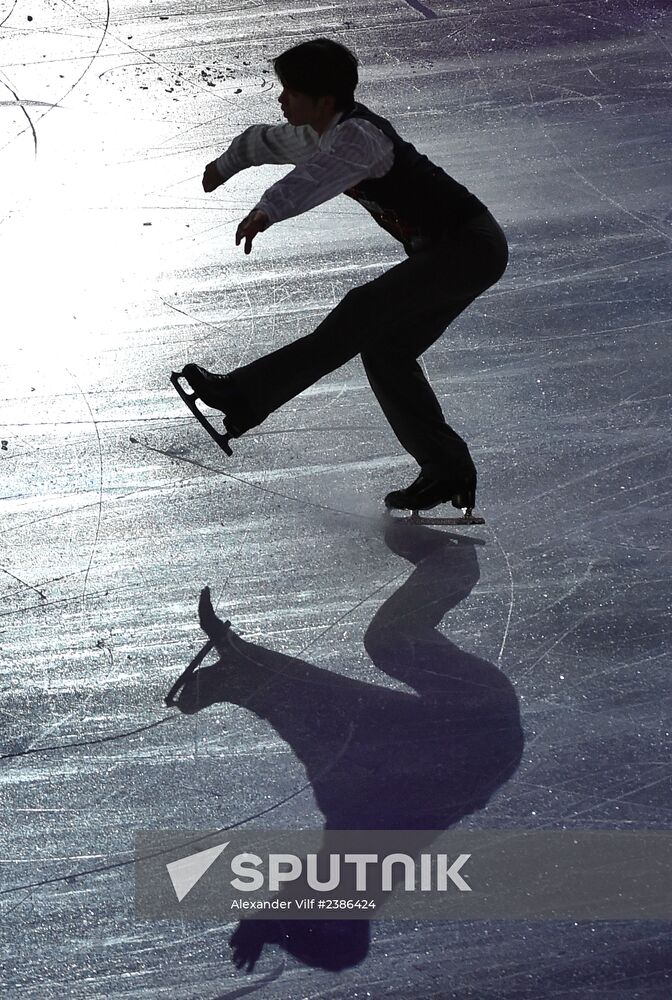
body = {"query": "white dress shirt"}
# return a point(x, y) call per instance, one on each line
point(326, 165)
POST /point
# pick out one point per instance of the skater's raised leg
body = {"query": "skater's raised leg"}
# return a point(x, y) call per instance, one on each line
point(411, 304)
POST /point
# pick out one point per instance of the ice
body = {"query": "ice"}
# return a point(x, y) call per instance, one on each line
point(119, 511)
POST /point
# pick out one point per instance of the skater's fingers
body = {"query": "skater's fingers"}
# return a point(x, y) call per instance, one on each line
point(243, 229)
point(254, 223)
point(240, 235)
point(245, 233)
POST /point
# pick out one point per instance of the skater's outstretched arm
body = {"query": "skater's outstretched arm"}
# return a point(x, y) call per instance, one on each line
point(346, 155)
point(261, 144)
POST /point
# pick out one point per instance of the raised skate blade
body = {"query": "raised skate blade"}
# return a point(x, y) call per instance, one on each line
point(190, 399)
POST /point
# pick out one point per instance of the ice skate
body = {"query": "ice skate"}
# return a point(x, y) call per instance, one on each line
point(426, 493)
point(217, 392)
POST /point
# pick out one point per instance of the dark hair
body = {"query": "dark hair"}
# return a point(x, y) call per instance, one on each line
point(320, 68)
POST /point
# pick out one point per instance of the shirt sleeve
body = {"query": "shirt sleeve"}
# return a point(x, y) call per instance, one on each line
point(267, 144)
point(351, 151)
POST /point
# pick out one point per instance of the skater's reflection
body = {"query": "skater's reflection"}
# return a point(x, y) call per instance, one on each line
point(377, 758)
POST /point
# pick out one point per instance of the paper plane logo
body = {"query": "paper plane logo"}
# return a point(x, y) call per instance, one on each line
point(185, 873)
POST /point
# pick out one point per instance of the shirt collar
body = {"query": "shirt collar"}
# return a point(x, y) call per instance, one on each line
point(326, 135)
point(334, 121)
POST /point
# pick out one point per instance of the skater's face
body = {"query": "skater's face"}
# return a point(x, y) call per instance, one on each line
point(302, 109)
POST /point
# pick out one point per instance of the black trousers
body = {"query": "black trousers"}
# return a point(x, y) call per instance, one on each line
point(391, 321)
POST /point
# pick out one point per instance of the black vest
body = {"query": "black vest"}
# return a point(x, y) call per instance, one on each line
point(415, 201)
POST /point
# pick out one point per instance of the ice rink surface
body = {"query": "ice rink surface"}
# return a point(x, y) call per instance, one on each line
point(547, 627)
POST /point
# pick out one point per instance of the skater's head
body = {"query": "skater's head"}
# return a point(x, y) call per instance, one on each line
point(318, 80)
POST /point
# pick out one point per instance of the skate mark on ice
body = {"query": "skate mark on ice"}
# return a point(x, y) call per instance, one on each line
point(266, 87)
point(24, 102)
point(511, 596)
point(197, 238)
point(643, 220)
point(570, 592)
point(253, 486)
point(169, 486)
point(635, 397)
point(129, 862)
point(195, 319)
point(570, 270)
point(598, 470)
point(52, 604)
point(627, 665)
point(621, 493)
point(100, 482)
point(77, 709)
point(12, 909)
point(556, 642)
point(564, 94)
point(83, 73)
point(23, 583)
point(9, 14)
point(637, 789)
point(86, 743)
point(303, 501)
point(587, 616)
point(162, 422)
point(18, 102)
point(208, 123)
point(649, 26)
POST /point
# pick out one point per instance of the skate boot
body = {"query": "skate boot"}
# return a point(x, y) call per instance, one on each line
point(220, 393)
point(427, 492)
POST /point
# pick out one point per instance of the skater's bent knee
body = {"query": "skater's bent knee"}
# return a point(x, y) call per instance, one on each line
point(382, 358)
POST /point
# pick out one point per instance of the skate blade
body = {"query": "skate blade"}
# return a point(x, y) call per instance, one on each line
point(190, 399)
point(466, 519)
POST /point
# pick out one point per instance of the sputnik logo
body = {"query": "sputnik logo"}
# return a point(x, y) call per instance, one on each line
point(185, 873)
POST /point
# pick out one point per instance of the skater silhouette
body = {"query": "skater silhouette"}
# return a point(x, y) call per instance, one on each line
point(377, 759)
point(454, 248)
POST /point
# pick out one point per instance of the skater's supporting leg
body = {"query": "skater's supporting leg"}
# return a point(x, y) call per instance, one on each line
point(410, 405)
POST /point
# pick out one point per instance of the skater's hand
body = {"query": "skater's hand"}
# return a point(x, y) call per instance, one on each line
point(248, 943)
point(252, 224)
point(211, 177)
